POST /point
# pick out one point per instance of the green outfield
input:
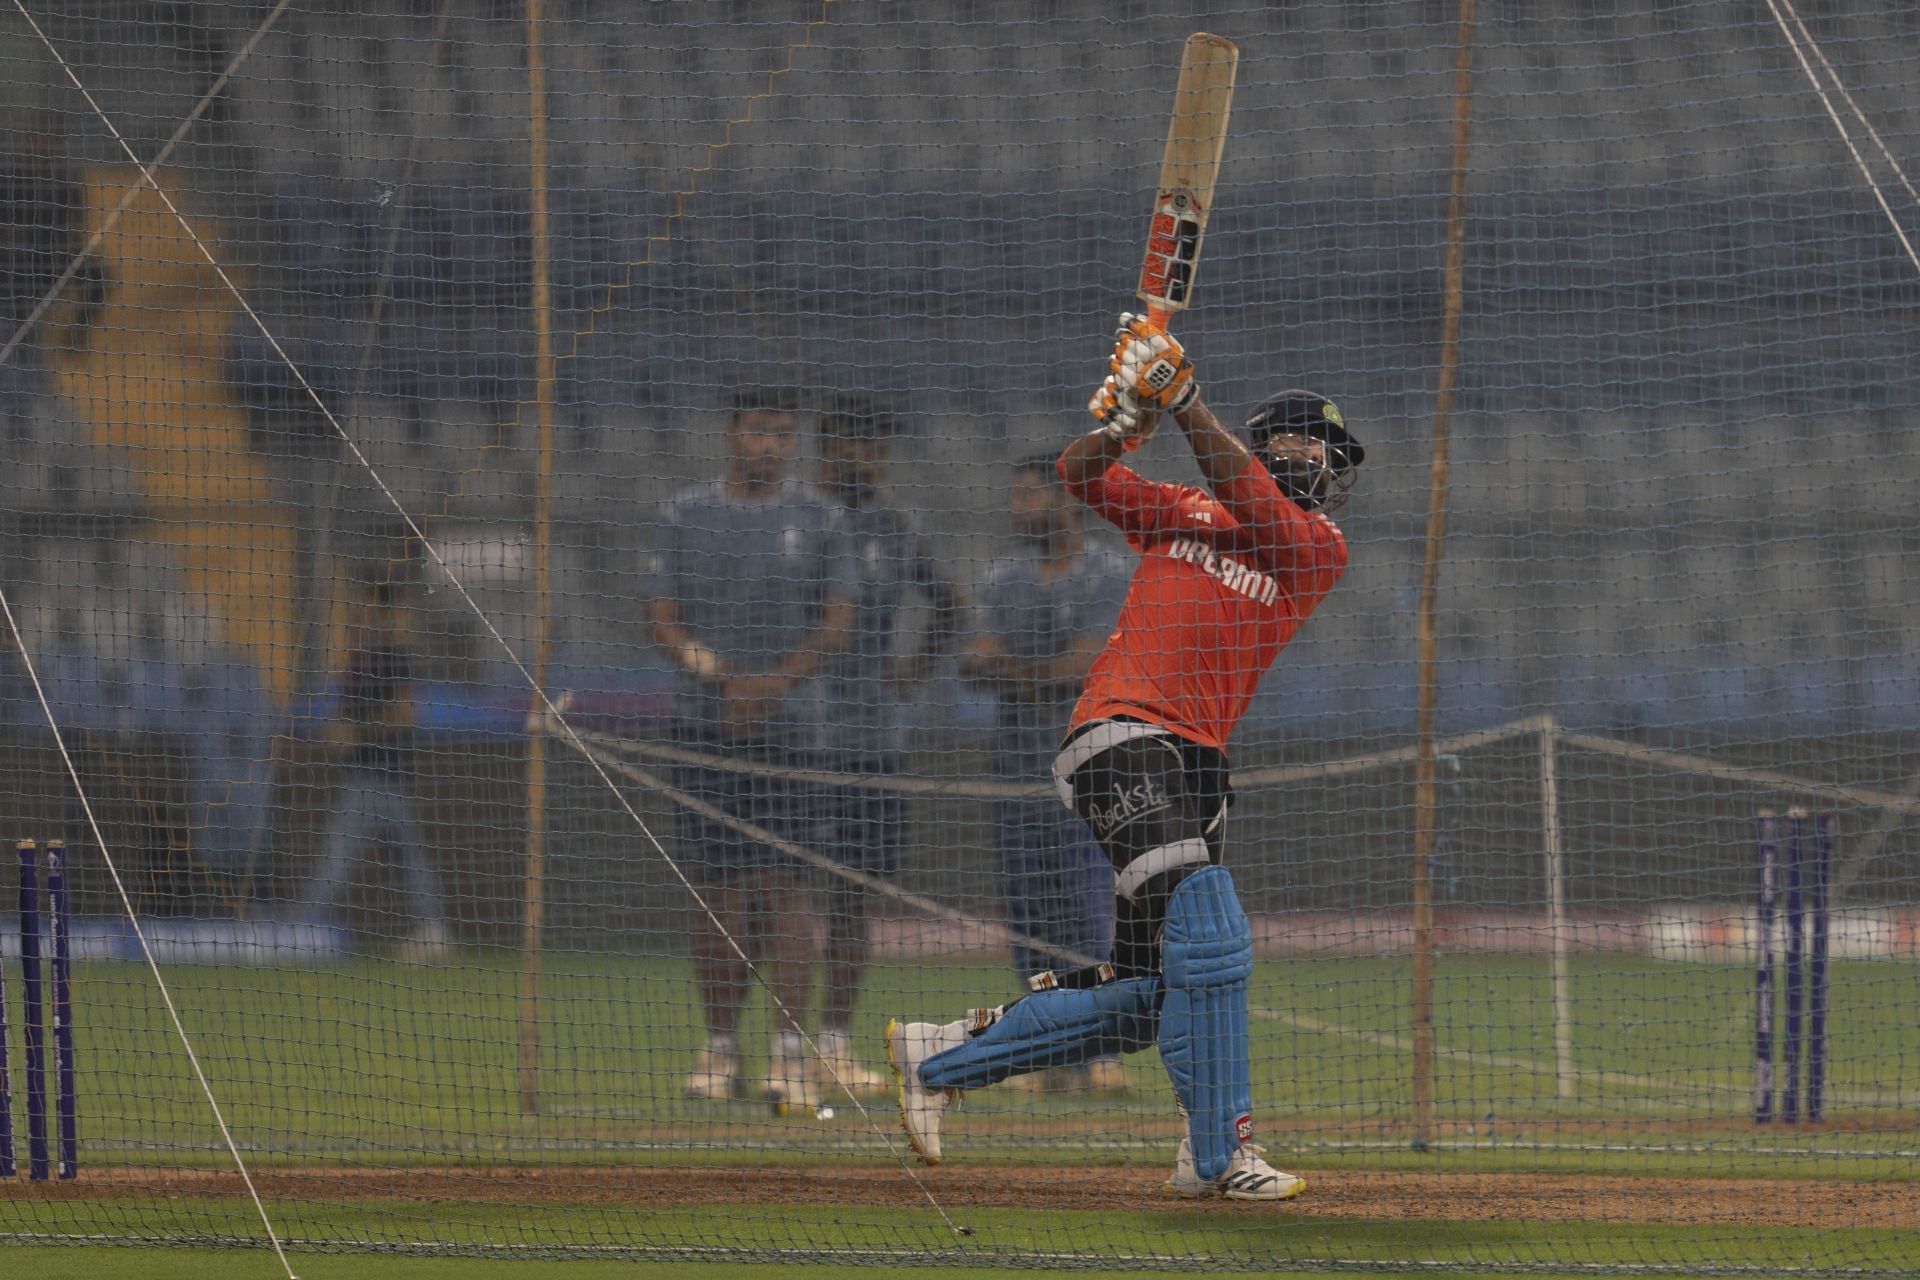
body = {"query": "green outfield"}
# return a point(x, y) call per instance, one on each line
point(380, 1104)
point(421, 1063)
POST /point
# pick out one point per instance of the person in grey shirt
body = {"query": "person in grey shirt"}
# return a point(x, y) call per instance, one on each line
point(753, 598)
point(861, 825)
point(1045, 613)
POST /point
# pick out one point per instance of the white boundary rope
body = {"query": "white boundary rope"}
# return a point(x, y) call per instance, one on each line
point(513, 657)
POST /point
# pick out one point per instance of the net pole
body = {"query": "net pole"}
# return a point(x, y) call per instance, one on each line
point(1425, 791)
point(1563, 1074)
point(536, 843)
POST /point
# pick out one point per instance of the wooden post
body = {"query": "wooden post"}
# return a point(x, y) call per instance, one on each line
point(531, 942)
point(1424, 797)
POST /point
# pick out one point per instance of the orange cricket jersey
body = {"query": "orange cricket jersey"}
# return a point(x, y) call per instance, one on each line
point(1224, 581)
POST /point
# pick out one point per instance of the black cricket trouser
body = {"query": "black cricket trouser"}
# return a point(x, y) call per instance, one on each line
point(1158, 805)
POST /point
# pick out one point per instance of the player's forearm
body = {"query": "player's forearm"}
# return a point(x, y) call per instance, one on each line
point(1087, 459)
point(1219, 452)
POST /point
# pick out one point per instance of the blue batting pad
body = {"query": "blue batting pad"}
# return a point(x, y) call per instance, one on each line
point(1051, 1029)
point(1206, 958)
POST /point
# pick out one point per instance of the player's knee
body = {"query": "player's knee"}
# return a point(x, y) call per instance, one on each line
point(1143, 888)
point(1206, 941)
point(1159, 868)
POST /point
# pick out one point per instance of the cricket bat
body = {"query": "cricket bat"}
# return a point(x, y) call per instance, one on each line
point(1191, 162)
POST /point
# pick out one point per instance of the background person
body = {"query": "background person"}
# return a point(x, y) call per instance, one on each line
point(753, 598)
point(865, 687)
point(374, 801)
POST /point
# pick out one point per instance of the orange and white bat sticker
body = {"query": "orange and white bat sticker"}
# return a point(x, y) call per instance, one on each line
point(1173, 249)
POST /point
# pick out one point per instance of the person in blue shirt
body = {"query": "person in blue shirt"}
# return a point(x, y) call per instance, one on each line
point(863, 826)
point(753, 598)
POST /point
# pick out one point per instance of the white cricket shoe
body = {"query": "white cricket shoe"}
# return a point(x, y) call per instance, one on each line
point(908, 1045)
point(1248, 1177)
point(715, 1077)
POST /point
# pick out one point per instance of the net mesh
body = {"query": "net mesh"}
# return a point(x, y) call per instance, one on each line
point(439, 941)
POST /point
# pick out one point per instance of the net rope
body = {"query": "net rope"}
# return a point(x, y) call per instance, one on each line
point(1670, 598)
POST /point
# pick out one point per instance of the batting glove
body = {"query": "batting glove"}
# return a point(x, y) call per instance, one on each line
point(1150, 363)
point(1120, 415)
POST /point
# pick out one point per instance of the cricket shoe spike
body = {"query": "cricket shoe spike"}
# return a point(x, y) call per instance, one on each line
point(908, 1045)
point(1248, 1177)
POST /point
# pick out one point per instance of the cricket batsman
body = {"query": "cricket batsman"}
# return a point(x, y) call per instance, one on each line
point(1227, 574)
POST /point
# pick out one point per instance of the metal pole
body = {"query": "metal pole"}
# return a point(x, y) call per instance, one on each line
point(534, 921)
point(1565, 1081)
point(1424, 798)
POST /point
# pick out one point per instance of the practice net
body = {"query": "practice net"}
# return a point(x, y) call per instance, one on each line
point(362, 577)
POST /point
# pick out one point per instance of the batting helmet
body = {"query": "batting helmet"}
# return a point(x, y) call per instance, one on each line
point(1296, 412)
